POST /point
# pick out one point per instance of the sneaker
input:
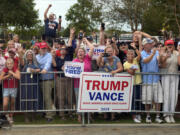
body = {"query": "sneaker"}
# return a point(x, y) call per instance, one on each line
point(172, 119)
point(148, 119)
point(136, 120)
point(167, 119)
point(10, 119)
point(158, 120)
point(139, 117)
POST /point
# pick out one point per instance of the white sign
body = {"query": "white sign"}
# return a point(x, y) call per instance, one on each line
point(102, 92)
point(97, 50)
point(73, 69)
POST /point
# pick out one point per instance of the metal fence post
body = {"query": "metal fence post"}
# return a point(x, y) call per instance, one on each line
point(83, 120)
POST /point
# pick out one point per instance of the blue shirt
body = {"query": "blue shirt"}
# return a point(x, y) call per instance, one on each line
point(50, 28)
point(151, 67)
point(108, 67)
point(45, 62)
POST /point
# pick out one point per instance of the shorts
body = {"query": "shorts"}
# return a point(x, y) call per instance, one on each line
point(10, 92)
point(152, 93)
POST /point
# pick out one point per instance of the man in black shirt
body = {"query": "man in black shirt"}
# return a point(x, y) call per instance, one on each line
point(64, 84)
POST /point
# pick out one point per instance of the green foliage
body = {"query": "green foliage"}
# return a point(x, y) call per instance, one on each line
point(84, 15)
point(119, 12)
point(153, 21)
point(28, 33)
point(162, 15)
point(18, 13)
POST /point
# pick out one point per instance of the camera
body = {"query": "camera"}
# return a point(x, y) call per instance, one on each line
point(89, 38)
point(80, 35)
point(106, 55)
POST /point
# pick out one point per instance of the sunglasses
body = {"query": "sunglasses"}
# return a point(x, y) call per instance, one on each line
point(170, 45)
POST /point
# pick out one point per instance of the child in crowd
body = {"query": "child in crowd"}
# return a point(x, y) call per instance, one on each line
point(132, 67)
point(10, 76)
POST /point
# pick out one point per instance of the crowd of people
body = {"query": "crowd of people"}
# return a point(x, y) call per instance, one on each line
point(30, 72)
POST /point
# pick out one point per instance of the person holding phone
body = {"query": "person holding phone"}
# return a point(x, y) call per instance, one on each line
point(109, 63)
point(50, 24)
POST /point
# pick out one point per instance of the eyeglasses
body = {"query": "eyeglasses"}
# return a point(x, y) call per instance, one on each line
point(123, 45)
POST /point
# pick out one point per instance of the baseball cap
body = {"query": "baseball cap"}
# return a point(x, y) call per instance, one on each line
point(169, 42)
point(179, 43)
point(43, 45)
point(37, 44)
point(147, 41)
point(13, 50)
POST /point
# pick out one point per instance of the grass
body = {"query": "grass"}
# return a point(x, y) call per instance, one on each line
point(123, 118)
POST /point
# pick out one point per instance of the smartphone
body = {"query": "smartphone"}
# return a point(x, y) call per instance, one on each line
point(103, 26)
point(80, 35)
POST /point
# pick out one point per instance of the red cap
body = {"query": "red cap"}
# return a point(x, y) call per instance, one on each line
point(12, 50)
point(37, 44)
point(169, 42)
point(43, 45)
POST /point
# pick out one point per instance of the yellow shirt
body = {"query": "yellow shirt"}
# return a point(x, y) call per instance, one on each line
point(135, 64)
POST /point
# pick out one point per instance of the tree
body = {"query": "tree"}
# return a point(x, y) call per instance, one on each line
point(27, 33)
point(84, 15)
point(153, 21)
point(19, 13)
point(162, 15)
point(118, 12)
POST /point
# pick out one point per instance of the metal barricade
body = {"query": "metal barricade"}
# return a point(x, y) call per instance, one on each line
point(53, 92)
point(38, 94)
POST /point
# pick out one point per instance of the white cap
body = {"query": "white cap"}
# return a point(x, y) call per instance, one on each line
point(147, 41)
point(179, 43)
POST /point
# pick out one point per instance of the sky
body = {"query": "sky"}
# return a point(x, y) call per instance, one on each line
point(59, 7)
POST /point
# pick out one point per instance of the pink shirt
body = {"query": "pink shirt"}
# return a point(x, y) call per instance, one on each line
point(87, 68)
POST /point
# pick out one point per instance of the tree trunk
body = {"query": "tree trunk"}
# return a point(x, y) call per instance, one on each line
point(175, 14)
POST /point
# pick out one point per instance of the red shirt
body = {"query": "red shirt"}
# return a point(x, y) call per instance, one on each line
point(10, 82)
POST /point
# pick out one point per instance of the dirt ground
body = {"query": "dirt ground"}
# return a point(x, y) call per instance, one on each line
point(131, 129)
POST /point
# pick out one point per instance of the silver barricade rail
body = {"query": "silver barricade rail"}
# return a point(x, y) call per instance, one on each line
point(38, 94)
point(160, 91)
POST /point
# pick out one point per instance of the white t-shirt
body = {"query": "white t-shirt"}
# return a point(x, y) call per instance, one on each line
point(17, 45)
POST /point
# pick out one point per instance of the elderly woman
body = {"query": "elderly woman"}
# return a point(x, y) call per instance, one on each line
point(29, 92)
point(111, 64)
point(82, 57)
point(170, 83)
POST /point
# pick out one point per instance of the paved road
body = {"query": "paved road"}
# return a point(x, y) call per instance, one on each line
point(118, 129)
